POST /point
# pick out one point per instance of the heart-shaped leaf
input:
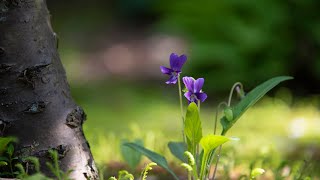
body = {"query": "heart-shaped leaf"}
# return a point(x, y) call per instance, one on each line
point(210, 142)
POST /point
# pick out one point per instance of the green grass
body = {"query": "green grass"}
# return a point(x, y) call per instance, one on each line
point(125, 110)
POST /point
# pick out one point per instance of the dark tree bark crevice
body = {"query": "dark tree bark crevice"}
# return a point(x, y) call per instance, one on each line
point(35, 101)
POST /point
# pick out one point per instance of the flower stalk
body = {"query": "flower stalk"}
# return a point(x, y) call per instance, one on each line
point(181, 108)
point(237, 84)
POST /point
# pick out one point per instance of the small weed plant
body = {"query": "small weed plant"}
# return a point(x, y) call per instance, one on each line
point(197, 151)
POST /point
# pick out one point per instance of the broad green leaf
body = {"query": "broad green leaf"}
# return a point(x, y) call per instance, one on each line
point(153, 156)
point(131, 156)
point(192, 128)
point(210, 142)
point(250, 99)
point(177, 149)
point(4, 141)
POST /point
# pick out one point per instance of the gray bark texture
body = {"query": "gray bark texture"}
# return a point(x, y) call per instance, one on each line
point(35, 101)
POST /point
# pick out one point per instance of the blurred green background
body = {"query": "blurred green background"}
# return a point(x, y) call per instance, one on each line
point(112, 51)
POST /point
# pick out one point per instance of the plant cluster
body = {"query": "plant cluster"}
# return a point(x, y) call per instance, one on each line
point(200, 149)
point(20, 167)
point(197, 152)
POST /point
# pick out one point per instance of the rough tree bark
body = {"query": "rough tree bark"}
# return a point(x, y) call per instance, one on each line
point(35, 101)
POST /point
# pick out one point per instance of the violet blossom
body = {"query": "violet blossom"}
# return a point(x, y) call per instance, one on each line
point(194, 87)
point(176, 63)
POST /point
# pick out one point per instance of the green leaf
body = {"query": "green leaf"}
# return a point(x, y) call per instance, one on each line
point(210, 142)
point(131, 156)
point(10, 150)
point(178, 149)
point(250, 99)
point(34, 161)
point(3, 163)
point(193, 129)
point(155, 157)
point(4, 141)
point(22, 172)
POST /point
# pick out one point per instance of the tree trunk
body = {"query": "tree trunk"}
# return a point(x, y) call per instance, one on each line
point(35, 101)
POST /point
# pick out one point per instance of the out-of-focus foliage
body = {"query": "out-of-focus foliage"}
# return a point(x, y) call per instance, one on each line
point(231, 40)
point(248, 41)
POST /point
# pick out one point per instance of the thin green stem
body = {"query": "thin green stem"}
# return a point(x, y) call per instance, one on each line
point(229, 104)
point(195, 171)
point(189, 175)
point(214, 132)
point(215, 167)
point(195, 155)
point(216, 118)
point(10, 165)
point(231, 91)
point(181, 108)
point(203, 165)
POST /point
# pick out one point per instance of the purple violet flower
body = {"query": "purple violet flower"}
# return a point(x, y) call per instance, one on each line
point(194, 87)
point(176, 63)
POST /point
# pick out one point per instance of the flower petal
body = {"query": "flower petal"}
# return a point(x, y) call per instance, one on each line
point(189, 83)
point(198, 85)
point(166, 70)
point(188, 95)
point(173, 59)
point(173, 80)
point(202, 96)
point(177, 65)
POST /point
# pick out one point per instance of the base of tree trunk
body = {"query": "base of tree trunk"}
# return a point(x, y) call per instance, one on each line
point(35, 101)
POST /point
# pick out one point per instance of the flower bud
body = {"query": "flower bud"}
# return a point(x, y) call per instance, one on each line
point(228, 113)
point(240, 92)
